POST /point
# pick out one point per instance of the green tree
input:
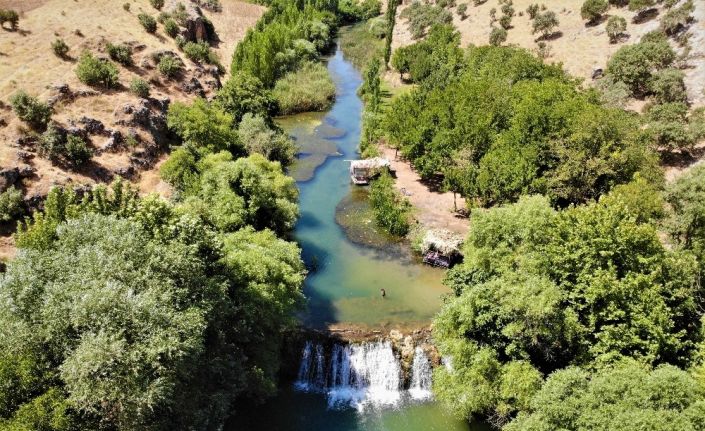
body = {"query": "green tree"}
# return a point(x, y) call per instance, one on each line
point(242, 94)
point(545, 23)
point(205, 125)
point(498, 36)
point(259, 138)
point(592, 10)
point(94, 71)
point(31, 110)
point(616, 26)
point(11, 204)
point(148, 22)
point(60, 48)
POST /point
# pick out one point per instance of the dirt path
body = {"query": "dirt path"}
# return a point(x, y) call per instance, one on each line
point(434, 209)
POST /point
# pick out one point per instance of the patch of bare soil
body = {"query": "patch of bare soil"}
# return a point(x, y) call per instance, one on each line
point(434, 209)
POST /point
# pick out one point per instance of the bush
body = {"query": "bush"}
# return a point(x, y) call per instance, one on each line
point(10, 16)
point(120, 53)
point(149, 23)
point(171, 27)
point(592, 10)
point(635, 64)
point(498, 36)
point(60, 48)
point(667, 86)
point(506, 22)
point(200, 52)
point(126, 6)
point(545, 23)
point(157, 4)
point(423, 16)
point(52, 143)
point(77, 151)
point(169, 66)
point(30, 110)
point(392, 211)
point(94, 71)
point(308, 89)
point(462, 10)
point(677, 19)
point(616, 26)
point(11, 205)
point(140, 88)
point(532, 10)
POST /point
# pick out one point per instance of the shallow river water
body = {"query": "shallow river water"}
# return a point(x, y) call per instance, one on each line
point(346, 278)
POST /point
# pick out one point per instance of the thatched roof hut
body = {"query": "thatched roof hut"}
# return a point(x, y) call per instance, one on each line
point(361, 171)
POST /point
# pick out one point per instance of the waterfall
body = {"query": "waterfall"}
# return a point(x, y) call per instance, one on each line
point(421, 376)
point(362, 375)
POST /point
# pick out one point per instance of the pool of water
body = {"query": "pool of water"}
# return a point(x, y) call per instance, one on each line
point(346, 277)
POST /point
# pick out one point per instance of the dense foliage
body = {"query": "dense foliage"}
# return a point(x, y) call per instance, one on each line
point(309, 88)
point(391, 210)
point(542, 289)
point(31, 110)
point(498, 123)
point(92, 70)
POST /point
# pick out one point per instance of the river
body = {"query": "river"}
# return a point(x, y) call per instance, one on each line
point(344, 287)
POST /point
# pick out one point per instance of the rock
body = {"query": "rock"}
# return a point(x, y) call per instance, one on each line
point(92, 126)
point(158, 123)
point(126, 173)
point(24, 156)
point(145, 63)
point(61, 88)
point(8, 178)
point(193, 86)
point(193, 26)
point(86, 92)
point(114, 142)
point(27, 172)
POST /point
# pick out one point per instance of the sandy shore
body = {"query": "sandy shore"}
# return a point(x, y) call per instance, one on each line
point(433, 209)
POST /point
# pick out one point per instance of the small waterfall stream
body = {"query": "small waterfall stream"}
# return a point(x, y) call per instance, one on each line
point(362, 375)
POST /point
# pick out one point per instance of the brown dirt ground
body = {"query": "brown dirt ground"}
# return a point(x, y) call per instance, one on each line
point(27, 62)
point(434, 209)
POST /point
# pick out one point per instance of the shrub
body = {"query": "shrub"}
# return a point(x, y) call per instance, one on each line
point(640, 6)
point(545, 23)
point(667, 86)
point(532, 10)
point(169, 66)
point(677, 19)
point(308, 89)
point(148, 22)
point(171, 27)
point(616, 26)
point(390, 208)
point(126, 6)
point(157, 4)
point(30, 110)
point(60, 48)
point(10, 16)
point(635, 64)
point(478, 2)
point(180, 42)
point(77, 151)
point(94, 71)
point(140, 88)
point(423, 16)
point(200, 52)
point(506, 22)
point(120, 53)
point(462, 10)
point(498, 36)
point(52, 143)
point(11, 205)
point(592, 10)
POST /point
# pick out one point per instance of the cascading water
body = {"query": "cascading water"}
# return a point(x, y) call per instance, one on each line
point(362, 375)
point(421, 376)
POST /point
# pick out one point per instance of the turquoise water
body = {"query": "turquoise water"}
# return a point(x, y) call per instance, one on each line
point(345, 283)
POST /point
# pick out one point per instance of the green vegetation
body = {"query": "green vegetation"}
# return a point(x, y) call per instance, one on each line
point(258, 138)
point(592, 10)
point(360, 45)
point(148, 22)
point(31, 110)
point(94, 71)
point(619, 397)
point(60, 48)
point(616, 26)
point(11, 205)
point(171, 27)
point(434, 59)
point(243, 93)
point(543, 289)
point(121, 53)
point(169, 66)
point(11, 16)
point(498, 123)
point(390, 17)
point(55, 145)
point(77, 151)
point(204, 124)
point(545, 23)
point(675, 20)
point(350, 11)
point(200, 52)
point(422, 16)
point(498, 36)
point(310, 88)
point(635, 64)
point(157, 4)
point(140, 88)
point(391, 210)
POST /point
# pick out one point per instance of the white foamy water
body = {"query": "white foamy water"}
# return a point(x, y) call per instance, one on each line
point(362, 375)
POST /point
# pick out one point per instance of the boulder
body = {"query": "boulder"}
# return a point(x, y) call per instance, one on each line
point(92, 126)
point(193, 25)
point(8, 178)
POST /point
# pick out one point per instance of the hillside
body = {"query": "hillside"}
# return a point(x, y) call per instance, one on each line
point(128, 134)
point(580, 47)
